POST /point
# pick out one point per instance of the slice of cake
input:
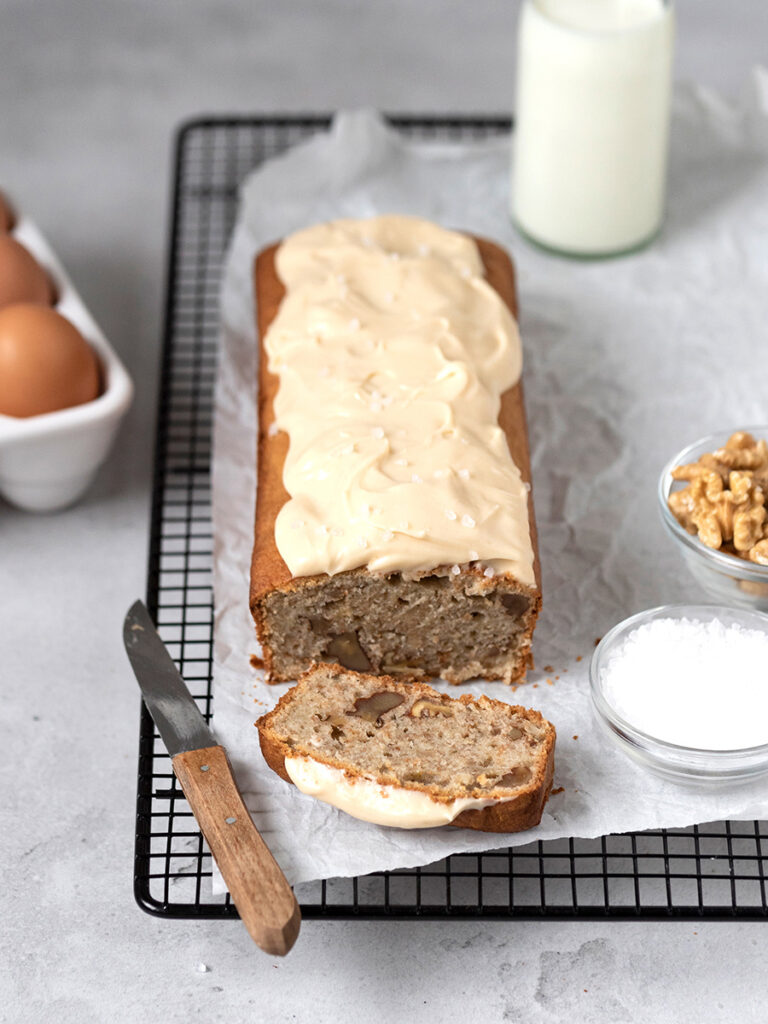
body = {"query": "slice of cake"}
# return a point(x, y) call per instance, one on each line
point(406, 755)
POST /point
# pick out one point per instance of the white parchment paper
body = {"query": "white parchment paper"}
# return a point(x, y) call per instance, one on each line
point(626, 361)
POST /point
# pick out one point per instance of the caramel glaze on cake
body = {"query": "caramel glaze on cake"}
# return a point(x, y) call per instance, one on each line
point(436, 623)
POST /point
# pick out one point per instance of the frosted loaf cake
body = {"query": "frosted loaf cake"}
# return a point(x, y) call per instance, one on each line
point(394, 522)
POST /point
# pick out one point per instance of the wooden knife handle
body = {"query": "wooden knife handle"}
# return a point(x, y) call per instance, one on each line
point(259, 888)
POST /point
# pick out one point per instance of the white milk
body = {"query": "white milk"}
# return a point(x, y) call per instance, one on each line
point(593, 92)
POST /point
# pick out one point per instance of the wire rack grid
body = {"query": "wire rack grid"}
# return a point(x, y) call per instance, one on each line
point(713, 871)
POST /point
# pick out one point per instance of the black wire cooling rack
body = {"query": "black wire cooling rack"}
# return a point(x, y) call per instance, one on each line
point(712, 871)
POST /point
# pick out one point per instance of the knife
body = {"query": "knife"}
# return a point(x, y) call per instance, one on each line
point(258, 887)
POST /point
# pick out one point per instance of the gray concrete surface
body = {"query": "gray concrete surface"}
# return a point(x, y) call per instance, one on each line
point(89, 95)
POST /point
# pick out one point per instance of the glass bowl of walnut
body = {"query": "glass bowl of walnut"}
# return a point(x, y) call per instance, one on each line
point(713, 501)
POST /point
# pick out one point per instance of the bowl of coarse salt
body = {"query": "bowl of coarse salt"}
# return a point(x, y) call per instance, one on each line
point(683, 690)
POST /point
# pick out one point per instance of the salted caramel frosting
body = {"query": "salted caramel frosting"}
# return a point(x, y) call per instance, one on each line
point(392, 353)
point(371, 801)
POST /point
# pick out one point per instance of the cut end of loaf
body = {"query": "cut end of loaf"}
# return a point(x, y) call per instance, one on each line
point(410, 736)
point(456, 626)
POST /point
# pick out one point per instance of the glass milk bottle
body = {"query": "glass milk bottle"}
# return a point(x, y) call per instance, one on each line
point(592, 123)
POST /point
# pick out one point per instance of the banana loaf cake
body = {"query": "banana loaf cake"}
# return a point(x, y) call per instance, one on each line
point(394, 521)
point(405, 755)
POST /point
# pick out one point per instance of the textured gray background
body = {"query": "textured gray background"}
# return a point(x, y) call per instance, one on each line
point(90, 93)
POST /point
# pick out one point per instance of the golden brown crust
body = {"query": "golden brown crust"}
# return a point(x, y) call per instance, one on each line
point(274, 754)
point(521, 812)
point(268, 570)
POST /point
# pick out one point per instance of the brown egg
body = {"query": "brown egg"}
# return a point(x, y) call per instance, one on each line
point(22, 279)
point(7, 219)
point(45, 362)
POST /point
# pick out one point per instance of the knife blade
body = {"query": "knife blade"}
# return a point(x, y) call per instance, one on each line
point(165, 693)
point(259, 888)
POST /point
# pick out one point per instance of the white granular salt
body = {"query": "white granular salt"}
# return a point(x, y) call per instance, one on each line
point(692, 682)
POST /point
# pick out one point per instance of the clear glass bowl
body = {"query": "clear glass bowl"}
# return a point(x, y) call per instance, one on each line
point(727, 578)
point(688, 765)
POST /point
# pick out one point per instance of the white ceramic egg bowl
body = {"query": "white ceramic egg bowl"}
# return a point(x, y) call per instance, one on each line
point(48, 461)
